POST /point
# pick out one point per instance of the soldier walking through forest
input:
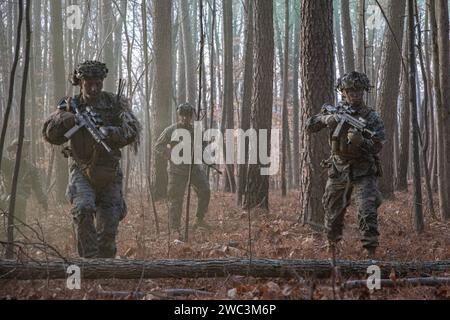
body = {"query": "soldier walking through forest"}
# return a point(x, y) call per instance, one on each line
point(179, 173)
point(353, 166)
point(95, 182)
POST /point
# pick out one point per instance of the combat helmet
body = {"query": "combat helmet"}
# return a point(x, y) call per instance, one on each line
point(89, 69)
point(185, 109)
point(353, 80)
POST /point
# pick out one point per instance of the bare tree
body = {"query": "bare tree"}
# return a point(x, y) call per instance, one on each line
point(295, 95)
point(389, 88)
point(317, 78)
point(162, 93)
point(285, 112)
point(347, 35)
point(414, 135)
point(442, 17)
point(59, 89)
point(108, 25)
point(246, 94)
point(361, 36)
point(190, 65)
point(26, 63)
point(440, 114)
point(257, 193)
point(11, 82)
point(227, 106)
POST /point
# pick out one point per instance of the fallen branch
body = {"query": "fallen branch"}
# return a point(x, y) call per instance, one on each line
point(164, 293)
point(261, 268)
point(408, 282)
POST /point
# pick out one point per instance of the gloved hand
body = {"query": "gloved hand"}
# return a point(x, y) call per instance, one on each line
point(111, 133)
point(355, 137)
point(67, 118)
point(330, 120)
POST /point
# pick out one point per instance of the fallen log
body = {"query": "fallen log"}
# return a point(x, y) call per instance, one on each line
point(408, 282)
point(260, 268)
point(164, 293)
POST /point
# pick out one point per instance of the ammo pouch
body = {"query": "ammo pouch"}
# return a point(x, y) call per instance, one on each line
point(100, 176)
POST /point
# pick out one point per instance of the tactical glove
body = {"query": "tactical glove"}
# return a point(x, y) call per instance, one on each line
point(355, 138)
point(67, 119)
point(330, 120)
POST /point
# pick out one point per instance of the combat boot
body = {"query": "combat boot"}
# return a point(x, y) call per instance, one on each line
point(201, 224)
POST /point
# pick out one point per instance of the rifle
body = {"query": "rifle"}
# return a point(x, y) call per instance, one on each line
point(344, 116)
point(88, 119)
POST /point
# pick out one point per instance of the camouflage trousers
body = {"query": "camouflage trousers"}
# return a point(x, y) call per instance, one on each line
point(337, 198)
point(96, 214)
point(177, 188)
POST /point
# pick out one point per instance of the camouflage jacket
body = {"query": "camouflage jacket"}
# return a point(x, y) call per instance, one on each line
point(117, 115)
point(362, 160)
point(164, 146)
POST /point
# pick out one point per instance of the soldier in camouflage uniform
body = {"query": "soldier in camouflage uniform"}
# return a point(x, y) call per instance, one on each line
point(95, 182)
point(179, 173)
point(353, 166)
point(29, 180)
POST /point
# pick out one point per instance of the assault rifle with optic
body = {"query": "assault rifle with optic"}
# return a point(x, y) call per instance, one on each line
point(345, 116)
point(88, 119)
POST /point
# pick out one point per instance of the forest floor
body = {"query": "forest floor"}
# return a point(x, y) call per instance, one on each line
point(276, 234)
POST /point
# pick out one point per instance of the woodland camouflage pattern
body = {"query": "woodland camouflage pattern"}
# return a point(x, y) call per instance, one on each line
point(95, 183)
point(353, 170)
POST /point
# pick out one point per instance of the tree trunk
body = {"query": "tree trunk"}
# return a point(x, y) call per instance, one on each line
point(347, 36)
point(402, 168)
point(246, 94)
point(442, 17)
point(263, 268)
point(285, 112)
point(317, 78)
point(212, 74)
point(228, 107)
point(431, 119)
point(424, 141)
point(181, 65)
point(21, 134)
point(440, 115)
point(417, 185)
point(337, 32)
point(389, 88)
point(257, 193)
point(190, 64)
point(59, 89)
point(108, 24)
point(295, 97)
point(12, 77)
point(162, 92)
point(361, 37)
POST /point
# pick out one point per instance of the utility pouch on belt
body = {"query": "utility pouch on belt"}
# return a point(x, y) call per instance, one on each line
point(100, 176)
